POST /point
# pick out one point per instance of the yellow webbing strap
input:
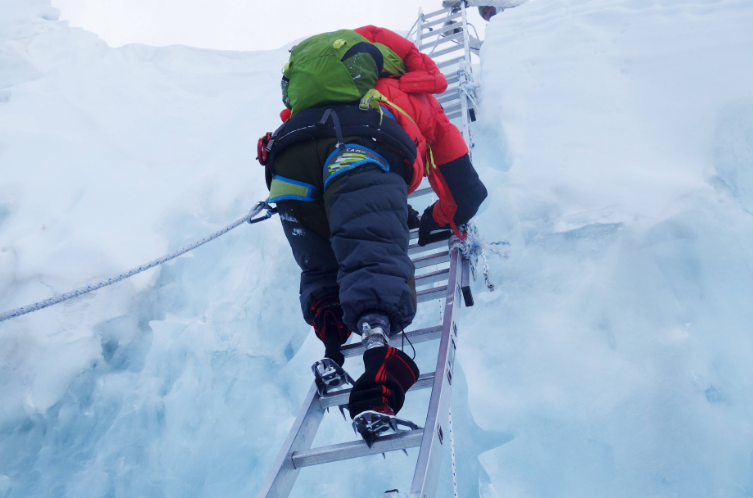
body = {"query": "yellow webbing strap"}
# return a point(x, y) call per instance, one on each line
point(373, 95)
point(429, 160)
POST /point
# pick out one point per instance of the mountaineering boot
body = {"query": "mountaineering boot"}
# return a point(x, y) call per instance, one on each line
point(329, 327)
point(329, 376)
point(389, 374)
point(370, 424)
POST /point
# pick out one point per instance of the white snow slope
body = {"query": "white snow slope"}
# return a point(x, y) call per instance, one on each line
point(614, 359)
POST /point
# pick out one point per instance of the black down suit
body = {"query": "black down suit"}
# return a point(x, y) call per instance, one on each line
point(338, 176)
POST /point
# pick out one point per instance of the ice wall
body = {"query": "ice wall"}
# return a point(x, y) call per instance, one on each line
point(616, 138)
point(621, 360)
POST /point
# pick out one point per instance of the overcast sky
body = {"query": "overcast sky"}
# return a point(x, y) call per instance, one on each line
point(236, 24)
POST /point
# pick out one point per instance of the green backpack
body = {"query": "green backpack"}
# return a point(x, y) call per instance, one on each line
point(335, 68)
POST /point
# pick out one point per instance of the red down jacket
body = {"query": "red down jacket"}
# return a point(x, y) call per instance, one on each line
point(412, 92)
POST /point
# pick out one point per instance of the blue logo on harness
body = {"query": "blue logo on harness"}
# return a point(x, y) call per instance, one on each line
point(349, 157)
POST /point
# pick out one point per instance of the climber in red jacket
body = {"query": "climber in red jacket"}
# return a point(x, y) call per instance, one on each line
point(442, 154)
point(441, 146)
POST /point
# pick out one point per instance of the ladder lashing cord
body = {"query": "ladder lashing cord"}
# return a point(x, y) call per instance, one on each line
point(467, 86)
point(249, 218)
point(472, 248)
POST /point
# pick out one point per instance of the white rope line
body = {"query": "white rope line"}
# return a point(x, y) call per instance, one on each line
point(452, 452)
point(135, 271)
point(408, 36)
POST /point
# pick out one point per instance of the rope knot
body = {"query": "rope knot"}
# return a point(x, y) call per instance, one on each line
point(472, 248)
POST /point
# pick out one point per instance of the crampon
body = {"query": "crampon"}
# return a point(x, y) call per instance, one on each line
point(330, 376)
point(371, 424)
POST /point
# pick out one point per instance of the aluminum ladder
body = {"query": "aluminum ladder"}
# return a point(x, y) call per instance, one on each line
point(445, 37)
point(449, 284)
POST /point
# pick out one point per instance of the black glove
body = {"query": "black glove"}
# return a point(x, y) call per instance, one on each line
point(414, 219)
point(429, 231)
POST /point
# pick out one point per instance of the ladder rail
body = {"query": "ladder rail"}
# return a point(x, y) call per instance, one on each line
point(435, 429)
point(463, 79)
point(420, 29)
point(281, 477)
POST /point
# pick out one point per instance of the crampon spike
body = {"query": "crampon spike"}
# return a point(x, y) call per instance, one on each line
point(370, 424)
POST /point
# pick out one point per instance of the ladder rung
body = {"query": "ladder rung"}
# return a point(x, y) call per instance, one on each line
point(450, 90)
point(433, 277)
point(415, 248)
point(452, 78)
point(448, 98)
point(436, 13)
point(431, 259)
point(444, 29)
point(448, 50)
point(413, 233)
point(339, 398)
point(355, 449)
point(419, 192)
point(449, 62)
point(447, 39)
point(415, 336)
point(452, 108)
point(454, 115)
point(429, 294)
point(440, 21)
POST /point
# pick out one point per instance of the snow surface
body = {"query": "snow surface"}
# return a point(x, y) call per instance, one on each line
point(614, 358)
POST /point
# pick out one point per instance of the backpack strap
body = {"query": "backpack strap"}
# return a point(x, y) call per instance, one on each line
point(330, 113)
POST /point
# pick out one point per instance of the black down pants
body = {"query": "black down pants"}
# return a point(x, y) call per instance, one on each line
point(351, 238)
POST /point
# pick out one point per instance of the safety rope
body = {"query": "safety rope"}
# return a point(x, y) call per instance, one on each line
point(249, 218)
point(452, 452)
point(472, 248)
